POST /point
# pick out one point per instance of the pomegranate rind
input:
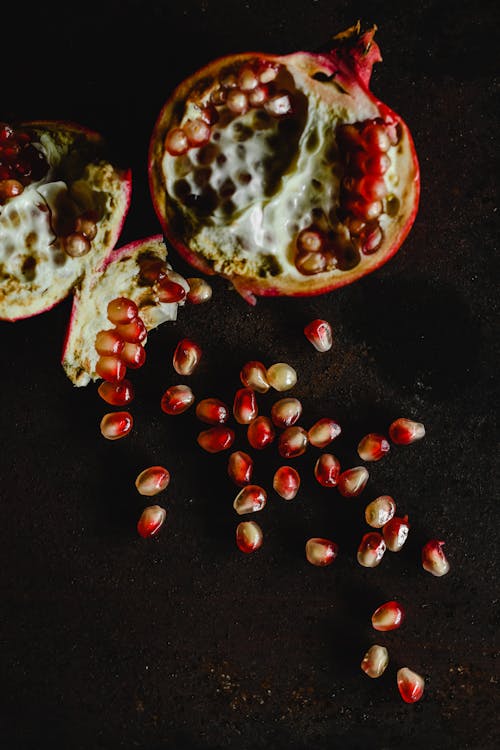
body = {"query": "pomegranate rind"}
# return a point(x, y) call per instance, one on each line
point(117, 276)
point(75, 154)
point(349, 67)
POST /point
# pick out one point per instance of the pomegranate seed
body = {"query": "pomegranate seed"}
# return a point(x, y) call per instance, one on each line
point(153, 480)
point(237, 102)
point(209, 114)
point(371, 240)
point(76, 245)
point(375, 138)
point(309, 264)
point(133, 355)
point(395, 533)
point(152, 271)
point(212, 411)
point(199, 291)
point(388, 616)
point(321, 551)
point(151, 520)
point(116, 425)
point(410, 685)
point(254, 375)
point(373, 447)
point(170, 291)
point(216, 439)
point(404, 431)
point(260, 433)
point(197, 132)
point(323, 432)
point(247, 79)
point(9, 189)
point(250, 499)
point(267, 72)
point(279, 105)
point(248, 536)
point(319, 334)
point(309, 241)
point(134, 332)
point(108, 343)
point(433, 558)
point(111, 369)
point(281, 376)
point(352, 482)
point(245, 406)
point(122, 310)
point(380, 511)
point(372, 188)
point(377, 164)
point(286, 482)
point(285, 412)
point(177, 399)
point(258, 96)
point(176, 142)
point(116, 394)
point(371, 550)
point(327, 470)
point(292, 442)
point(375, 661)
point(187, 357)
point(240, 468)
point(86, 224)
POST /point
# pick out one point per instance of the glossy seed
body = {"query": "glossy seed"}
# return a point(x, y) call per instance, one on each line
point(133, 355)
point(254, 375)
point(286, 482)
point(116, 425)
point(134, 332)
point(433, 558)
point(212, 411)
point(240, 468)
point(111, 369)
point(405, 431)
point(353, 481)
point(311, 263)
point(176, 399)
point(327, 470)
point(281, 376)
point(395, 533)
point(380, 511)
point(371, 550)
point(237, 101)
point(108, 342)
point(199, 291)
point(410, 685)
point(245, 406)
point(321, 551)
point(286, 412)
point(216, 439)
point(170, 291)
point(319, 333)
point(375, 661)
point(373, 447)
point(152, 480)
point(76, 244)
point(292, 442)
point(260, 433)
point(249, 536)
point(323, 432)
point(310, 241)
point(116, 394)
point(279, 105)
point(151, 520)
point(176, 142)
point(250, 499)
point(122, 310)
point(186, 357)
point(388, 616)
point(197, 132)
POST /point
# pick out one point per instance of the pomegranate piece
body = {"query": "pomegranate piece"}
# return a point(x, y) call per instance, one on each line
point(151, 520)
point(254, 375)
point(321, 551)
point(375, 661)
point(281, 376)
point(352, 482)
point(250, 499)
point(240, 468)
point(116, 425)
point(111, 369)
point(404, 431)
point(152, 480)
point(260, 433)
point(286, 482)
point(199, 291)
point(371, 550)
point(177, 399)
point(327, 470)
point(410, 685)
point(245, 406)
point(121, 311)
point(292, 442)
point(433, 558)
point(212, 411)
point(116, 394)
point(388, 616)
point(186, 357)
point(285, 412)
point(380, 511)
point(373, 447)
point(323, 432)
point(216, 439)
point(395, 533)
point(249, 536)
point(319, 333)
point(133, 355)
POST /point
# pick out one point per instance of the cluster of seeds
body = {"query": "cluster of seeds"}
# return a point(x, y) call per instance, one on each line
point(21, 162)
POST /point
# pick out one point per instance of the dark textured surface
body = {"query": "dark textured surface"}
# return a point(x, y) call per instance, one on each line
point(109, 641)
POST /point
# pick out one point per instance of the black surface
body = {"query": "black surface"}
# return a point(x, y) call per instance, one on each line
point(110, 641)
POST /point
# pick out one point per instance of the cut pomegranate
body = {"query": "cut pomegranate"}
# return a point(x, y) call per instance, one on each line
point(116, 425)
point(152, 480)
point(433, 558)
point(116, 394)
point(245, 406)
point(388, 616)
point(249, 536)
point(371, 550)
point(186, 357)
point(352, 482)
point(212, 411)
point(293, 442)
point(395, 533)
point(319, 334)
point(199, 291)
point(285, 412)
point(176, 399)
point(375, 661)
point(260, 433)
point(281, 376)
point(321, 551)
point(410, 685)
point(254, 375)
point(250, 499)
point(327, 470)
point(286, 482)
point(240, 468)
point(404, 431)
point(151, 520)
point(380, 511)
point(373, 447)
point(216, 439)
point(323, 432)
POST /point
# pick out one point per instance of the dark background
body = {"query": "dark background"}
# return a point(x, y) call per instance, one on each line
point(110, 641)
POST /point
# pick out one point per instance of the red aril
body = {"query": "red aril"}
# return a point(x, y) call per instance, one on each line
point(320, 551)
point(249, 536)
point(323, 432)
point(380, 511)
point(319, 333)
point(371, 550)
point(388, 616)
point(108, 342)
point(186, 357)
point(250, 499)
point(281, 376)
point(395, 533)
point(134, 332)
point(116, 394)
point(216, 439)
point(122, 310)
point(260, 433)
point(152, 480)
point(286, 482)
point(285, 412)
point(373, 447)
point(245, 406)
point(111, 369)
point(405, 431)
point(199, 291)
point(116, 425)
point(292, 442)
point(240, 468)
point(434, 560)
point(352, 482)
point(177, 399)
point(375, 661)
point(327, 470)
point(254, 375)
point(151, 520)
point(410, 685)
point(133, 355)
point(212, 411)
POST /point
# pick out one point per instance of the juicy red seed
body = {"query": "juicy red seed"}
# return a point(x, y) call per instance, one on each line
point(367, 210)
point(152, 271)
point(116, 425)
point(310, 241)
point(9, 189)
point(254, 375)
point(258, 96)
point(404, 431)
point(323, 432)
point(76, 245)
point(388, 616)
point(327, 470)
point(216, 439)
point(209, 114)
point(108, 343)
point(352, 482)
point(116, 394)
point(245, 406)
point(111, 369)
point(373, 447)
point(186, 357)
point(177, 399)
point(281, 376)
point(212, 411)
point(279, 105)
point(375, 138)
point(410, 685)
point(375, 661)
point(237, 101)
point(310, 263)
point(151, 520)
point(197, 132)
point(286, 482)
point(292, 442)
point(286, 412)
point(6, 133)
point(371, 550)
point(134, 332)
point(247, 79)
point(133, 355)
point(249, 536)
point(250, 499)
point(87, 225)
point(395, 533)
point(176, 142)
point(199, 291)
point(260, 433)
point(372, 188)
point(152, 480)
point(319, 334)
point(371, 240)
point(169, 291)
point(122, 310)
point(321, 551)
point(433, 558)
point(267, 72)
point(380, 511)
point(240, 468)
point(377, 164)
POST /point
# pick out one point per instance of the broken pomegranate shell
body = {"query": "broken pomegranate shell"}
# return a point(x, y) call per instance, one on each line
point(285, 174)
point(61, 212)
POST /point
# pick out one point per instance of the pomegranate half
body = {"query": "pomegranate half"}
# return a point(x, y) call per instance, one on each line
point(62, 207)
point(285, 174)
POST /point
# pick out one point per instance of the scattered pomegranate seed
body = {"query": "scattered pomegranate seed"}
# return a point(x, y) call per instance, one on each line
point(245, 406)
point(433, 558)
point(248, 536)
point(371, 550)
point(250, 499)
point(373, 447)
point(111, 369)
point(260, 433)
point(186, 357)
point(410, 685)
point(375, 661)
point(281, 376)
point(134, 332)
point(352, 482)
point(327, 470)
point(323, 432)
point(380, 511)
point(76, 245)
point(108, 343)
point(285, 412)
point(153, 480)
point(122, 310)
point(212, 411)
point(116, 425)
point(321, 551)
point(177, 399)
point(319, 334)
point(199, 291)
point(176, 142)
point(216, 439)
point(151, 520)
point(388, 616)
point(116, 394)
point(133, 355)
point(395, 533)
point(404, 431)
point(169, 291)
point(197, 132)
point(240, 468)
point(286, 482)
point(292, 442)
point(254, 375)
